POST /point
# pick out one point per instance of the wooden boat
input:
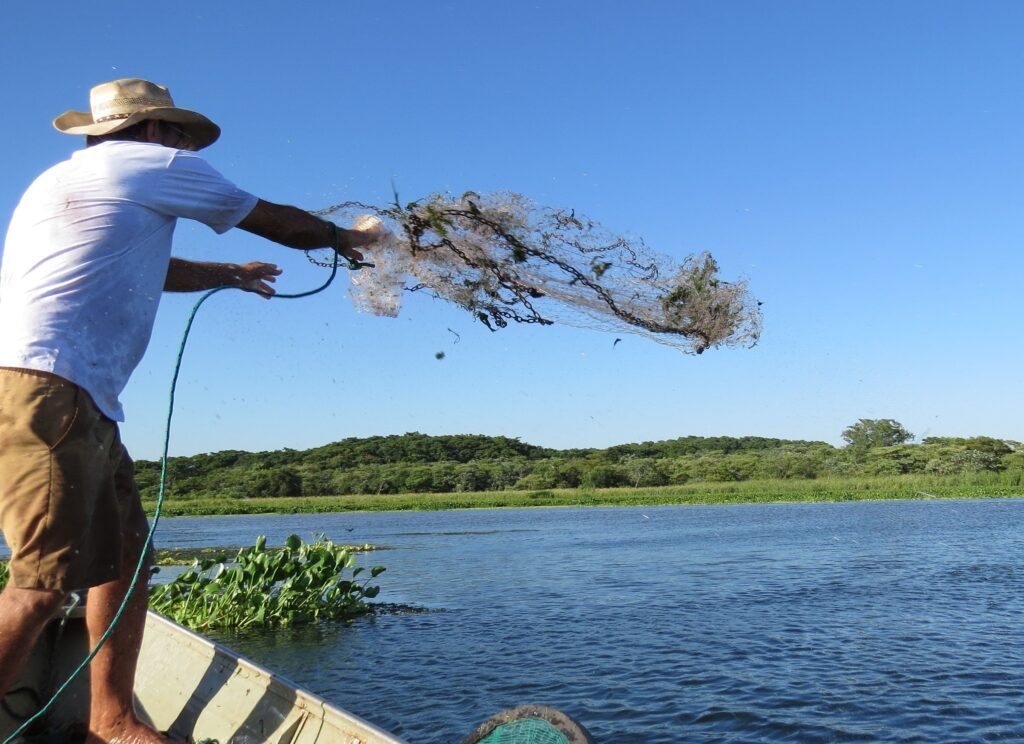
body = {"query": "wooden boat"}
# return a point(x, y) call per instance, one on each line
point(188, 686)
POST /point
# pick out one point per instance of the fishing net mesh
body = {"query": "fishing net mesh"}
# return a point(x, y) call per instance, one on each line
point(530, 724)
point(525, 731)
point(505, 259)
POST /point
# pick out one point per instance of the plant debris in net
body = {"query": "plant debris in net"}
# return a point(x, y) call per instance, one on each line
point(504, 258)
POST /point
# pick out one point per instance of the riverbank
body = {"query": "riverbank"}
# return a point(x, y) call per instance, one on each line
point(752, 492)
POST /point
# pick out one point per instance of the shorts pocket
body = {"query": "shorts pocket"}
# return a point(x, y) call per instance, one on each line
point(54, 417)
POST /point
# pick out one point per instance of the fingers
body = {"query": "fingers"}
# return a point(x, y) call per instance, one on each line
point(260, 269)
point(259, 287)
point(265, 290)
point(352, 253)
point(257, 277)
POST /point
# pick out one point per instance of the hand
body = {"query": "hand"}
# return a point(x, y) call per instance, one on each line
point(257, 277)
point(354, 238)
point(366, 230)
point(370, 226)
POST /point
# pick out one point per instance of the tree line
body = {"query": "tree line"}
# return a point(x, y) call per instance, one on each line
point(418, 463)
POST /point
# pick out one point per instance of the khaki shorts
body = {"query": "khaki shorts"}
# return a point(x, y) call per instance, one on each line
point(69, 507)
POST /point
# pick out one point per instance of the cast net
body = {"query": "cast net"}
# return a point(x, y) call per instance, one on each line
point(505, 259)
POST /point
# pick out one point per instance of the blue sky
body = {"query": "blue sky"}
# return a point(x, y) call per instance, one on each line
point(859, 163)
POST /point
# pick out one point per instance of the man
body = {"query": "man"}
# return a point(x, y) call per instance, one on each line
point(86, 256)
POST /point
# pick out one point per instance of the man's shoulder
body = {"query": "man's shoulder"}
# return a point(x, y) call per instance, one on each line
point(140, 153)
point(142, 162)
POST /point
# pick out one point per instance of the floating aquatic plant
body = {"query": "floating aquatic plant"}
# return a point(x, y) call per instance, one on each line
point(297, 584)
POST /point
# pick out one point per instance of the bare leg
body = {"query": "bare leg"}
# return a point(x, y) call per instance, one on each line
point(23, 615)
point(112, 672)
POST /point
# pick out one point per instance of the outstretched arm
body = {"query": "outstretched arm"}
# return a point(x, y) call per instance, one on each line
point(195, 276)
point(288, 226)
point(292, 227)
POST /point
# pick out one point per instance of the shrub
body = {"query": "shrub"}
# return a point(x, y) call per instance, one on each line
point(535, 481)
point(275, 482)
point(966, 461)
point(603, 476)
point(472, 478)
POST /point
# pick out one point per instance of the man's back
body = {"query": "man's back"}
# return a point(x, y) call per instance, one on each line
point(86, 257)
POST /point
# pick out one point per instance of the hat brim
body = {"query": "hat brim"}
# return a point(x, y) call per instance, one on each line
point(202, 131)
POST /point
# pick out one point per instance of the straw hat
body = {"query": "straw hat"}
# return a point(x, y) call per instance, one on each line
point(121, 103)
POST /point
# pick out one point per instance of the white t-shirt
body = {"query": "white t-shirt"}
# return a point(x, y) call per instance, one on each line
point(86, 256)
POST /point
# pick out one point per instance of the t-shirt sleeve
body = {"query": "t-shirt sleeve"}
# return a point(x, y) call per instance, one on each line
point(192, 188)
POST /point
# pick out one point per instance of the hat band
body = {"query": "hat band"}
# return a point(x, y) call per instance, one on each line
point(112, 117)
point(139, 103)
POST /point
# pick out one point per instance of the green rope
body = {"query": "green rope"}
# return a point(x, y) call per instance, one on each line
point(353, 266)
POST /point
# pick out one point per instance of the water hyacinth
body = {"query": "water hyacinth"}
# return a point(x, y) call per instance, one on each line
point(264, 587)
point(505, 259)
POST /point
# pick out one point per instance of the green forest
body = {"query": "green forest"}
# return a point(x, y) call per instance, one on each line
point(418, 463)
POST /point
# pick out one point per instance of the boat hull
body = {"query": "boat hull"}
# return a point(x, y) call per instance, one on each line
point(192, 688)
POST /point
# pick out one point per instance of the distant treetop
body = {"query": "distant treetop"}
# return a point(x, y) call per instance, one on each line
point(867, 433)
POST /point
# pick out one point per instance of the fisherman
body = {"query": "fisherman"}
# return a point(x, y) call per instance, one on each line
point(87, 254)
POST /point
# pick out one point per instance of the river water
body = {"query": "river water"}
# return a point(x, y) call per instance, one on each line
point(870, 621)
